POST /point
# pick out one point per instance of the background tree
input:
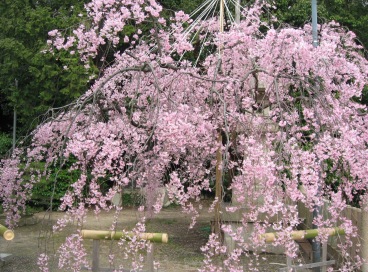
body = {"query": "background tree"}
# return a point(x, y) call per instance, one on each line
point(44, 80)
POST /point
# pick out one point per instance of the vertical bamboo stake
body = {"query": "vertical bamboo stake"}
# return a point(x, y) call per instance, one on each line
point(364, 233)
point(96, 256)
point(217, 227)
point(289, 263)
point(324, 256)
point(150, 266)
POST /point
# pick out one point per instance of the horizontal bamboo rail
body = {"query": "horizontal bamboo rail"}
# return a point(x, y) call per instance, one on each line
point(117, 235)
point(6, 233)
point(303, 234)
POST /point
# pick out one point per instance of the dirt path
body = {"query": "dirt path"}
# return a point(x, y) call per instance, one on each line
point(182, 253)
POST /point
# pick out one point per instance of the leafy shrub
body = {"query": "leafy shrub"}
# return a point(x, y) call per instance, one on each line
point(5, 143)
point(52, 187)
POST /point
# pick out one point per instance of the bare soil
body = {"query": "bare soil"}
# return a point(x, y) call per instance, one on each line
point(181, 253)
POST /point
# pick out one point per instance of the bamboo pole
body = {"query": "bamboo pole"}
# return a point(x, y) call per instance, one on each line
point(303, 234)
point(117, 235)
point(222, 16)
point(364, 235)
point(218, 185)
point(218, 188)
point(6, 233)
point(237, 11)
point(221, 24)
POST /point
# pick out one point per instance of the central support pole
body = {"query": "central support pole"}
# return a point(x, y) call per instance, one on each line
point(316, 245)
point(237, 12)
point(221, 24)
point(314, 23)
point(222, 16)
point(218, 185)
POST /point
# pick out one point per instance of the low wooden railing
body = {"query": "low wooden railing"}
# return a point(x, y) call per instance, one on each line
point(97, 235)
point(306, 234)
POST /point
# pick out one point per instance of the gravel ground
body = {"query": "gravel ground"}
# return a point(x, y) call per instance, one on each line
point(182, 253)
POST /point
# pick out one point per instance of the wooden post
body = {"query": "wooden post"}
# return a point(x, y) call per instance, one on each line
point(217, 226)
point(324, 256)
point(288, 263)
point(150, 266)
point(364, 233)
point(96, 256)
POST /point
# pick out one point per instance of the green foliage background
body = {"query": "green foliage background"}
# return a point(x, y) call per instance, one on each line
point(352, 14)
point(43, 81)
point(5, 144)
